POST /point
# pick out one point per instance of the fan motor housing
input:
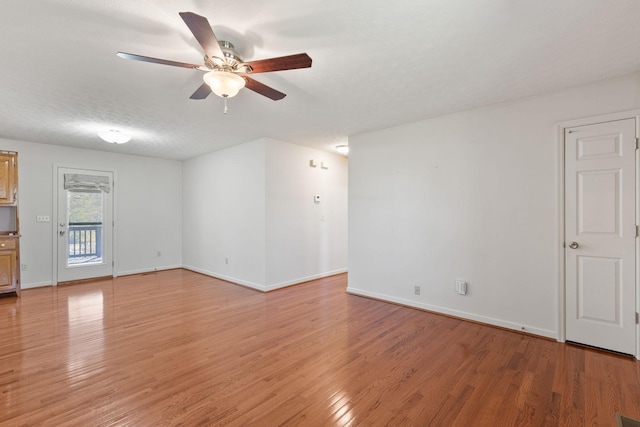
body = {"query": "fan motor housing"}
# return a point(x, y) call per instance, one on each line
point(231, 62)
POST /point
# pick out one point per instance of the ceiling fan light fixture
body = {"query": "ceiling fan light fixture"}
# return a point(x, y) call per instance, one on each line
point(114, 136)
point(224, 83)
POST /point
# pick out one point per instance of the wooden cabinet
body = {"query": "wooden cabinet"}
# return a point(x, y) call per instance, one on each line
point(8, 178)
point(9, 268)
point(9, 224)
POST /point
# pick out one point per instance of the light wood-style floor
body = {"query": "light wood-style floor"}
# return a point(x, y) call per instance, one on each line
point(179, 348)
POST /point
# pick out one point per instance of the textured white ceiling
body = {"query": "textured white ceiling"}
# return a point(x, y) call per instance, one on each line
point(376, 64)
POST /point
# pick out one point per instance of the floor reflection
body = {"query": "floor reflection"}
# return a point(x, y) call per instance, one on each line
point(85, 314)
point(85, 308)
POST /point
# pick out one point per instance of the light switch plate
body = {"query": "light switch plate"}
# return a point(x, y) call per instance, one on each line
point(42, 218)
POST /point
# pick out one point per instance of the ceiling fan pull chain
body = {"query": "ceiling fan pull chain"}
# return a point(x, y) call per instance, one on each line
point(225, 104)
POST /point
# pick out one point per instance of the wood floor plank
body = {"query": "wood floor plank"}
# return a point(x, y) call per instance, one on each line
point(180, 348)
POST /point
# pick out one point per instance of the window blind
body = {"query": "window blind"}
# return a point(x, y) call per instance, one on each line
point(86, 183)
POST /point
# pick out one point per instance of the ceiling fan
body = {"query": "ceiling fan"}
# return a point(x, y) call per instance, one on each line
point(226, 72)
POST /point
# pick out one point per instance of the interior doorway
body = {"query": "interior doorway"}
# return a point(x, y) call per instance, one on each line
point(600, 256)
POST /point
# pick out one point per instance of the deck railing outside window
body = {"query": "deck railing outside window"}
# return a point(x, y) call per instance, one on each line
point(85, 242)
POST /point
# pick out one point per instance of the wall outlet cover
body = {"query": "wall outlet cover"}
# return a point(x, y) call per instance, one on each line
point(461, 287)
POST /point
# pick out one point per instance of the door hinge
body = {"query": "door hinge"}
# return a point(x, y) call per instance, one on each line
point(112, 263)
point(637, 231)
point(637, 143)
point(637, 318)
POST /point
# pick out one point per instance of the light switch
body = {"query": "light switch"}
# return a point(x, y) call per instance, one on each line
point(42, 218)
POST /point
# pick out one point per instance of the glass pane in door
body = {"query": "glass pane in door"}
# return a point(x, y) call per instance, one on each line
point(85, 227)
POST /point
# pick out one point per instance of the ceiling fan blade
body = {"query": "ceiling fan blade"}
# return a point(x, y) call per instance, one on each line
point(156, 60)
point(291, 62)
point(201, 29)
point(202, 92)
point(263, 89)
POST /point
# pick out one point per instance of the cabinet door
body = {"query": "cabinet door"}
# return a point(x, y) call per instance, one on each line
point(8, 261)
point(8, 179)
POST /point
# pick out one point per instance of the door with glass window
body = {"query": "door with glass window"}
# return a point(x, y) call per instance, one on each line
point(84, 229)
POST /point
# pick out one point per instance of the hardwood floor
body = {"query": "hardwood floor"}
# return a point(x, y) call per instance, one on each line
point(179, 348)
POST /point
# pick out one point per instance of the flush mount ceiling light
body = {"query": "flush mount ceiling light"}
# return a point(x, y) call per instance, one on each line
point(114, 136)
point(342, 149)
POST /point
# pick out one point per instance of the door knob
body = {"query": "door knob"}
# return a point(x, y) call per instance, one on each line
point(573, 245)
point(62, 233)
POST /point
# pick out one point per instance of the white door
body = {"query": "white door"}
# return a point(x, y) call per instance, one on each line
point(85, 227)
point(600, 234)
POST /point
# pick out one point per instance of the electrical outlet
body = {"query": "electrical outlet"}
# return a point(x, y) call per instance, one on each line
point(159, 253)
point(23, 267)
point(226, 260)
point(461, 287)
point(416, 290)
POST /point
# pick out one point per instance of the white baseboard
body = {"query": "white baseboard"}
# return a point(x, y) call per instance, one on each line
point(263, 288)
point(145, 270)
point(234, 280)
point(304, 279)
point(226, 278)
point(456, 313)
point(35, 285)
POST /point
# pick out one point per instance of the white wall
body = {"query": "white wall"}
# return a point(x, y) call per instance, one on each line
point(471, 196)
point(148, 208)
point(224, 214)
point(252, 205)
point(305, 240)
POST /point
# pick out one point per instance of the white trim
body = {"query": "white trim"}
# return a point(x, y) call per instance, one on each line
point(304, 279)
point(263, 288)
point(114, 218)
point(35, 285)
point(208, 273)
point(637, 115)
point(146, 270)
point(561, 302)
point(226, 278)
point(630, 114)
point(456, 313)
point(54, 228)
